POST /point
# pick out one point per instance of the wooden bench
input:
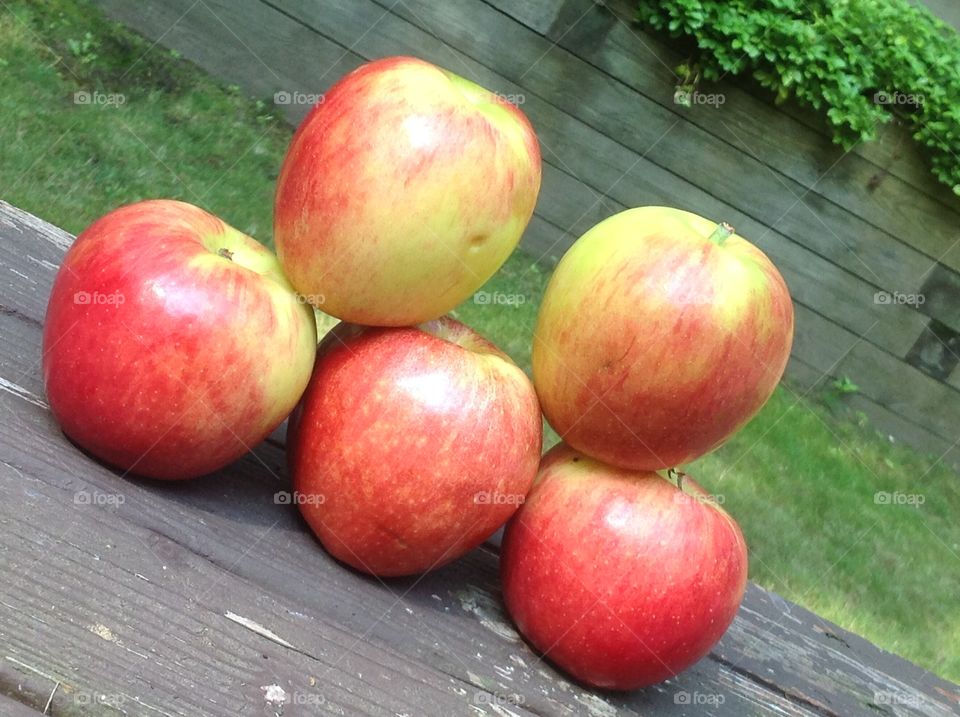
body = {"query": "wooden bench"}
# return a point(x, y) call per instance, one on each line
point(210, 598)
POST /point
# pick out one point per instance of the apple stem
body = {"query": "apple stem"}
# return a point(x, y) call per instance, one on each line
point(225, 253)
point(721, 233)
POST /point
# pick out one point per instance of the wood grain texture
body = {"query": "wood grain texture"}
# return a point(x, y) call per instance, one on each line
point(941, 296)
point(892, 156)
point(147, 597)
point(186, 537)
point(161, 565)
point(850, 259)
point(577, 204)
point(807, 381)
point(901, 389)
point(12, 708)
point(946, 10)
point(670, 140)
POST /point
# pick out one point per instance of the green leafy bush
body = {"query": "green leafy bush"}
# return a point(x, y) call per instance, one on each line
point(862, 61)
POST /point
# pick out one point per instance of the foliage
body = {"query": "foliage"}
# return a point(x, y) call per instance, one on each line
point(860, 61)
point(844, 385)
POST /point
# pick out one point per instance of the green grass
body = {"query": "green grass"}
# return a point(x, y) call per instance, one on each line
point(178, 134)
point(801, 478)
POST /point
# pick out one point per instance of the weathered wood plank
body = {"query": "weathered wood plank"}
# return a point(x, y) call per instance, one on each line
point(891, 156)
point(215, 518)
point(611, 107)
point(30, 254)
point(944, 9)
point(941, 296)
point(566, 202)
point(166, 543)
point(190, 26)
point(372, 30)
point(146, 619)
point(450, 621)
point(752, 126)
point(912, 395)
point(11, 708)
point(539, 15)
point(892, 153)
point(803, 666)
point(805, 380)
point(864, 250)
point(152, 611)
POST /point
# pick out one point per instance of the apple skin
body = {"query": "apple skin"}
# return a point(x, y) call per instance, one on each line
point(619, 577)
point(411, 446)
point(403, 192)
point(196, 357)
point(654, 343)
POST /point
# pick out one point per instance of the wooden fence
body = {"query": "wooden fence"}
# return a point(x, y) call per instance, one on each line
point(946, 10)
point(867, 240)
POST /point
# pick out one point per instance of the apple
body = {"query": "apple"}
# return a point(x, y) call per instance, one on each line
point(411, 445)
point(621, 578)
point(402, 192)
point(172, 342)
point(661, 333)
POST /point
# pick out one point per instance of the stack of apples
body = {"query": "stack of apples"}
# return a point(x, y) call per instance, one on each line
point(173, 343)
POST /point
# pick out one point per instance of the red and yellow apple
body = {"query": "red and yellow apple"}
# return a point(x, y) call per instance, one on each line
point(660, 334)
point(412, 445)
point(403, 192)
point(621, 578)
point(172, 342)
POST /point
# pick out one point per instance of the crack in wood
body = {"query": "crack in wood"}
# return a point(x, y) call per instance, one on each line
point(17, 314)
point(794, 696)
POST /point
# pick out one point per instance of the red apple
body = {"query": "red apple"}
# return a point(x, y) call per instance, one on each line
point(411, 446)
point(620, 577)
point(661, 333)
point(403, 192)
point(172, 343)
